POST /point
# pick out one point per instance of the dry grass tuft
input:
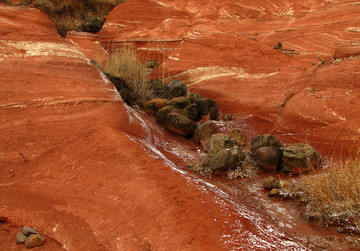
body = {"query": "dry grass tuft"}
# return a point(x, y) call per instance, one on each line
point(83, 15)
point(333, 196)
point(125, 64)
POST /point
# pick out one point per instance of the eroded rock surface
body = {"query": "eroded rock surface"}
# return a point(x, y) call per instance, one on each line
point(225, 51)
point(80, 165)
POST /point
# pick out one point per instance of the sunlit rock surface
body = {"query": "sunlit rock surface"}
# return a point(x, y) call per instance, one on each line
point(307, 91)
point(83, 169)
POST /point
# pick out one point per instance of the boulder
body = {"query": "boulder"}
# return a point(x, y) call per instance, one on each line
point(270, 183)
point(179, 102)
point(264, 140)
point(34, 240)
point(131, 98)
point(163, 112)
point(224, 159)
point(269, 157)
point(209, 107)
point(20, 237)
point(204, 131)
point(237, 136)
point(193, 111)
point(179, 124)
point(194, 96)
point(177, 88)
point(300, 158)
point(218, 142)
point(154, 105)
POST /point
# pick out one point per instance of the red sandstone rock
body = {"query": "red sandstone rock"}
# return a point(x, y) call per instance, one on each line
point(225, 51)
point(78, 165)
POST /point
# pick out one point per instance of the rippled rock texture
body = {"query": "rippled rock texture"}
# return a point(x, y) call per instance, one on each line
point(80, 166)
point(305, 91)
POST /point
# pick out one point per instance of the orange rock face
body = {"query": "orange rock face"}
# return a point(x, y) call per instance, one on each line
point(305, 92)
point(88, 172)
point(83, 169)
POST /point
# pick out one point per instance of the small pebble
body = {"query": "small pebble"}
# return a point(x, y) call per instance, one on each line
point(20, 237)
point(28, 230)
point(34, 240)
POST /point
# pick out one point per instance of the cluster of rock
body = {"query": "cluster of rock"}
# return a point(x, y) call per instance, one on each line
point(181, 112)
point(293, 158)
point(30, 236)
point(281, 188)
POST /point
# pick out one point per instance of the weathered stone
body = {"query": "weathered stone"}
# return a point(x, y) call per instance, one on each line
point(163, 112)
point(154, 105)
point(28, 230)
point(20, 237)
point(278, 46)
point(194, 96)
point(131, 98)
point(264, 140)
point(118, 82)
point(209, 107)
point(193, 111)
point(204, 131)
point(224, 159)
point(158, 89)
point(300, 158)
point(228, 117)
point(177, 88)
point(180, 124)
point(34, 240)
point(179, 102)
point(151, 64)
point(135, 99)
point(237, 136)
point(269, 157)
point(218, 142)
point(274, 192)
point(270, 183)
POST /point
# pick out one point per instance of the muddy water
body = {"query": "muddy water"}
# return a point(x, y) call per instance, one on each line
point(257, 222)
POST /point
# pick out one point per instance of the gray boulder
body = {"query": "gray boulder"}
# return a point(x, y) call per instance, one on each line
point(209, 107)
point(179, 124)
point(154, 105)
point(28, 230)
point(20, 237)
point(269, 157)
point(193, 111)
point(224, 159)
point(264, 140)
point(163, 112)
point(300, 158)
point(222, 155)
point(204, 131)
point(194, 96)
point(218, 142)
point(177, 88)
point(179, 102)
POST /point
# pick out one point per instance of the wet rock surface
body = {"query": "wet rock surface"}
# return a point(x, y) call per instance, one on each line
point(300, 158)
point(282, 94)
